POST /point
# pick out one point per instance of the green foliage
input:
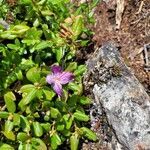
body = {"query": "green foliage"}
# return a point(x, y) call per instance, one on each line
point(41, 34)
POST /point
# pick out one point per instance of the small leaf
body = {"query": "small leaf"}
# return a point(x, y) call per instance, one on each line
point(49, 94)
point(77, 26)
point(9, 125)
point(54, 112)
point(89, 133)
point(33, 75)
point(74, 141)
point(27, 99)
point(42, 45)
point(55, 141)
point(81, 116)
point(37, 129)
point(80, 70)
point(16, 119)
point(71, 67)
point(9, 98)
point(68, 120)
point(77, 88)
point(59, 54)
point(4, 146)
point(27, 88)
point(38, 144)
point(46, 127)
point(60, 127)
point(22, 137)
point(4, 114)
point(9, 135)
point(84, 100)
point(24, 123)
point(26, 146)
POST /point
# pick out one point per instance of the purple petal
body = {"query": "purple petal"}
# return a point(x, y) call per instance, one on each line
point(50, 79)
point(56, 69)
point(66, 77)
point(57, 88)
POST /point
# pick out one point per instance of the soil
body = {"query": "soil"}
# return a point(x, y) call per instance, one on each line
point(133, 35)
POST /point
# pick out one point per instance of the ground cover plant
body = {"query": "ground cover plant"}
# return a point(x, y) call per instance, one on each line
point(41, 92)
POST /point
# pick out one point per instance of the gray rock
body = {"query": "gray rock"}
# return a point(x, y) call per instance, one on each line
point(123, 98)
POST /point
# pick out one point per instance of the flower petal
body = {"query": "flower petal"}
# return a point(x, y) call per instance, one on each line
point(57, 88)
point(50, 79)
point(56, 69)
point(66, 77)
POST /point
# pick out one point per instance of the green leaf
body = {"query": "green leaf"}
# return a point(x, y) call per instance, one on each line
point(27, 99)
point(19, 29)
point(9, 135)
point(80, 70)
point(27, 88)
point(74, 141)
point(68, 120)
point(9, 125)
point(54, 113)
point(77, 27)
point(38, 144)
point(22, 137)
point(46, 126)
point(85, 100)
point(19, 75)
point(26, 146)
point(55, 141)
point(4, 146)
point(16, 119)
point(33, 75)
point(9, 98)
point(71, 67)
point(4, 114)
point(13, 46)
point(59, 54)
point(42, 45)
point(37, 129)
point(24, 123)
point(89, 133)
point(81, 116)
point(49, 94)
point(77, 88)
point(32, 36)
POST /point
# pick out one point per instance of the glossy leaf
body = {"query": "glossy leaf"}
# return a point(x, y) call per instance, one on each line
point(89, 133)
point(9, 135)
point(68, 120)
point(24, 123)
point(4, 114)
point(54, 112)
point(38, 144)
point(9, 125)
point(49, 94)
point(27, 99)
point(33, 75)
point(74, 141)
point(22, 136)
point(27, 88)
point(55, 141)
point(4, 146)
point(37, 129)
point(85, 100)
point(9, 98)
point(77, 26)
point(81, 116)
point(80, 70)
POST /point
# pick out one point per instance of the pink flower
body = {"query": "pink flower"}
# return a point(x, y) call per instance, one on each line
point(58, 78)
